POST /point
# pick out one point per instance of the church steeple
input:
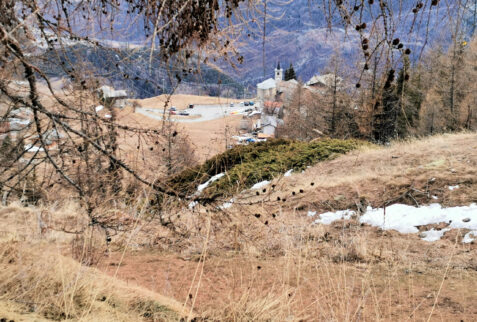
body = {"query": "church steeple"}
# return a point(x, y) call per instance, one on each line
point(278, 73)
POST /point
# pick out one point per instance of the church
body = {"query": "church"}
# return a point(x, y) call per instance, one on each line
point(267, 90)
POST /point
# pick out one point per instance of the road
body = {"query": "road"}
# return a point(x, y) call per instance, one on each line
point(202, 113)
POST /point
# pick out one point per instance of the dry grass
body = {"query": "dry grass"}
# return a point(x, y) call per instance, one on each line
point(273, 267)
point(378, 175)
point(37, 280)
point(40, 280)
point(265, 253)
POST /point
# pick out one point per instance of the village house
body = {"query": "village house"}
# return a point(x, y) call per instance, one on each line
point(272, 114)
point(112, 97)
point(320, 83)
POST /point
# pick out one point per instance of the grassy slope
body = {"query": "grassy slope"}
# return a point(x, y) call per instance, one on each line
point(37, 282)
point(276, 266)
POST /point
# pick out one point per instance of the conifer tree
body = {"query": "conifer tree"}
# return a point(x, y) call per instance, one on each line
point(410, 98)
point(290, 73)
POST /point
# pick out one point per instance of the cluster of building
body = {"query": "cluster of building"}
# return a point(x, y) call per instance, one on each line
point(18, 120)
point(274, 95)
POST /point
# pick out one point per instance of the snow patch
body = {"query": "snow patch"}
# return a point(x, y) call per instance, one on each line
point(288, 173)
point(260, 185)
point(329, 217)
point(201, 187)
point(227, 204)
point(98, 108)
point(468, 239)
point(451, 188)
point(405, 219)
point(31, 148)
point(433, 235)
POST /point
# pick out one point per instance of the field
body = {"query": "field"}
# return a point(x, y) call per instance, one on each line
point(208, 138)
point(262, 258)
point(182, 101)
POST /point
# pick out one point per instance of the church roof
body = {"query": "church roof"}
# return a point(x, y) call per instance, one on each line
point(267, 84)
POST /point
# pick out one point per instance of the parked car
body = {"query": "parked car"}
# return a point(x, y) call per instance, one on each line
point(173, 108)
point(245, 103)
point(172, 112)
point(251, 103)
point(248, 110)
point(231, 104)
point(191, 105)
point(184, 113)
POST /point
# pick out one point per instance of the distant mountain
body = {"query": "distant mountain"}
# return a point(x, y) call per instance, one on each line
point(298, 32)
point(131, 69)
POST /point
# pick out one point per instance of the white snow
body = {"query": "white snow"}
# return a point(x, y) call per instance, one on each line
point(98, 108)
point(405, 219)
point(192, 204)
point(329, 217)
point(311, 213)
point(108, 116)
point(435, 197)
point(433, 235)
point(453, 187)
point(467, 239)
point(30, 148)
point(288, 173)
point(227, 204)
point(201, 187)
point(260, 185)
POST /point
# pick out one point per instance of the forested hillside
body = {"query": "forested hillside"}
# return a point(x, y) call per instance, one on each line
point(133, 70)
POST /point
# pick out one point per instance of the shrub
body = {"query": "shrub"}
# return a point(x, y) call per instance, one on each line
point(247, 165)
